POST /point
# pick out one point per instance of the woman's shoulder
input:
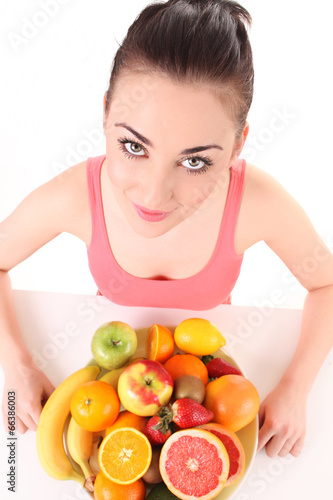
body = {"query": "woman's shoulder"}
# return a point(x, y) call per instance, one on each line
point(71, 188)
point(262, 190)
point(264, 203)
point(258, 180)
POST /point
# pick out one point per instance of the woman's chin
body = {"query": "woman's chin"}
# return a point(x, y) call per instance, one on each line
point(151, 229)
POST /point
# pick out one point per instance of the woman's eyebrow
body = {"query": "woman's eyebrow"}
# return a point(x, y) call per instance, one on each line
point(146, 141)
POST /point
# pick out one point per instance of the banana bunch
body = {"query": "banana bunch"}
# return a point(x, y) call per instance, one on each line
point(50, 432)
point(79, 442)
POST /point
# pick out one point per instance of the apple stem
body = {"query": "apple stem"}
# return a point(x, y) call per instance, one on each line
point(148, 381)
point(115, 342)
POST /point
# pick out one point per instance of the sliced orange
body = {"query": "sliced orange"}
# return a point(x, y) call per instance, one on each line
point(160, 344)
point(125, 455)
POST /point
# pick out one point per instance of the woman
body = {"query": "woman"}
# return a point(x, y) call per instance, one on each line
point(169, 211)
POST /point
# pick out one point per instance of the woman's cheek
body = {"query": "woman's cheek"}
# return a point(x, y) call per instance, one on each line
point(119, 175)
point(199, 192)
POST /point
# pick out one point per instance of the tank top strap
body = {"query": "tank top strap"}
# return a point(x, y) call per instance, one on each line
point(232, 205)
point(95, 196)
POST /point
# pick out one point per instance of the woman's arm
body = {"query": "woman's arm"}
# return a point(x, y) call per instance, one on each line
point(283, 428)
point(42, 215)
point(21, 374)
point(289, 233)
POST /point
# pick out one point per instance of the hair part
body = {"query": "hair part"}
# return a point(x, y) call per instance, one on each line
point(201, 42)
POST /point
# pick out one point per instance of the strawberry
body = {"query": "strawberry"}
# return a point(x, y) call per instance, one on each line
point(188, 413)
point(184, 412)
point(157, 430)
point(217, 367)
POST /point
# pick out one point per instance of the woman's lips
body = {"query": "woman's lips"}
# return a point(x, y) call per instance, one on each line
point(150, 215)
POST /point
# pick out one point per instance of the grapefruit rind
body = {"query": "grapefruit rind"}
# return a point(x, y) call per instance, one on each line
point(221, 429)
point(190, 473)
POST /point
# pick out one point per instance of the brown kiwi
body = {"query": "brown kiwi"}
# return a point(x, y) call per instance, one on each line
point(153, 475)
point(189, 386)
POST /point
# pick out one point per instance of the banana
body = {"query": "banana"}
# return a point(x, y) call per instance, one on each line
point(93, 461)
point(49, 435)
point(79, 445)
point(112, 376)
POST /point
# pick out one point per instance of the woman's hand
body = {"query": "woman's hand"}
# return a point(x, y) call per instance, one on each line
point(32, 389)
point(282, 421)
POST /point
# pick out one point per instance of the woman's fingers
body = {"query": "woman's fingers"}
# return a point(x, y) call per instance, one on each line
point(48, 389)
point(278, 441)
point(34, 409)
point(282, 421)
point(28, 412)
point(298, 447)
point(20, 427)
point(261, 415)
point(286, 447)
point(32, 418)
point(266, 432)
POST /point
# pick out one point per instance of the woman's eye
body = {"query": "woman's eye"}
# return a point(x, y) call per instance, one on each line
point(134, 148)
point(193, 163)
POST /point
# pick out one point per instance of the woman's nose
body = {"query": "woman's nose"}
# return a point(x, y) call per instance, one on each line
point(156, 189)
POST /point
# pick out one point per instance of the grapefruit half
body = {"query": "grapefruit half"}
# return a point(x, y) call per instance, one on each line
point(194, 464)
point(233, 446)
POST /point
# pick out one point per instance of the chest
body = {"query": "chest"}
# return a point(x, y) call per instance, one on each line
point(175, 255)
point(182, 251)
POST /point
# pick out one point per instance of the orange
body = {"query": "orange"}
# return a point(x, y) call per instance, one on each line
point(160, 344)
point(198, 336)
point(125, 455)
point(104, 489)
point(95, 406)
point(186, 364)
point(194, 464)
point(128, 419)
point(234, 447)
point(233, 399)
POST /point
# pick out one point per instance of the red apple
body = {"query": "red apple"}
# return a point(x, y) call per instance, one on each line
point(144, 387)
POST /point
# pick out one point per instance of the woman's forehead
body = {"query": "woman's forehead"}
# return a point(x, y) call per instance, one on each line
point(156, 102)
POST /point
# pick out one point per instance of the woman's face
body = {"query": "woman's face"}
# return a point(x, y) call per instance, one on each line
point(168, 148)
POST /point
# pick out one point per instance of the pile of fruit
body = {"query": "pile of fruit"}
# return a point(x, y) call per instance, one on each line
point(166, 421)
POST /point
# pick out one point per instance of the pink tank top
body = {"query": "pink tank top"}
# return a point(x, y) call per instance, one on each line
point(208, 288)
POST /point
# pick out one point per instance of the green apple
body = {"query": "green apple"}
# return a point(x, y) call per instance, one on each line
point(113, 344)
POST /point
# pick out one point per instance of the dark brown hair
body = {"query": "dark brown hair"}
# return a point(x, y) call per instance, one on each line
point(192, 41)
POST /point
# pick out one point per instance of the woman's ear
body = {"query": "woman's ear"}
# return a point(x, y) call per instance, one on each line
point(245, 133)
point(239, 143)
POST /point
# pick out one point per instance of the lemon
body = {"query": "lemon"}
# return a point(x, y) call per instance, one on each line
point(198, 336)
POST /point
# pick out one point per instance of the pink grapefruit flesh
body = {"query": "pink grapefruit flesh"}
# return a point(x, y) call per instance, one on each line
point(194, 464)
point(233, 446)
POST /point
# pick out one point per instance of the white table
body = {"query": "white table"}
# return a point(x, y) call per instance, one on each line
point(57, 328)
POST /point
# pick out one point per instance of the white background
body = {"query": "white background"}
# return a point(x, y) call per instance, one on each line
point(51, 93)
